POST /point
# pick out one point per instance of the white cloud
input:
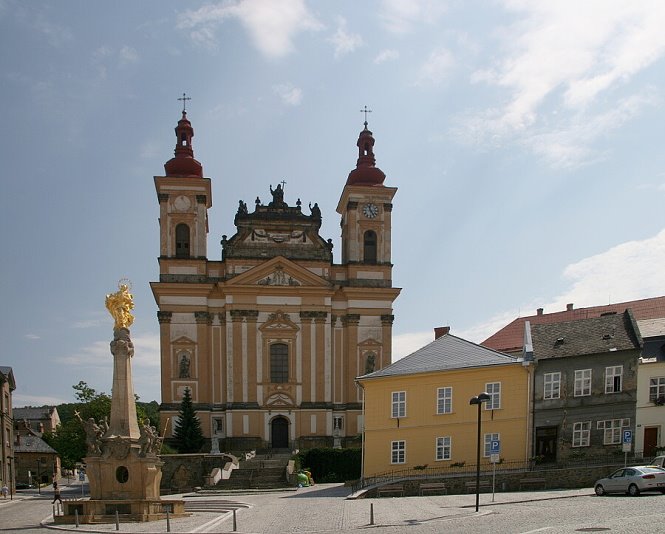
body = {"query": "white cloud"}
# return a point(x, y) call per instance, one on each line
point(20, 400)
point(403, 16)
point(344, 42)
point(628, 271)
point(127, 55)
point(566, 55)
point(288, 93)
point(436, 68)
point(32, 336)
point(98, 354)
point(271, 25)
point(386, 55)
point(405, 344)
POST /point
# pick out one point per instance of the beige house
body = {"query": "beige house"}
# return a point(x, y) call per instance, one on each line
point(650, 416)
point(270, 338)
point(40, 419)
point(7, 386)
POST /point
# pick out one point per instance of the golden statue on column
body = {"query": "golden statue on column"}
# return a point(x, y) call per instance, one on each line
point(120, 304)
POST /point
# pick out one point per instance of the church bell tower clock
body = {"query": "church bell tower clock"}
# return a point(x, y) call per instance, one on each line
point(366, 210)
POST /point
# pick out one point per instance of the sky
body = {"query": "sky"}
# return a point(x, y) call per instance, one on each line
point(525, 140)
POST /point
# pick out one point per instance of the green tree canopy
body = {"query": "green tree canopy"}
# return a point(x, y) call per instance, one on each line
point(69, 437)
point(188, 436)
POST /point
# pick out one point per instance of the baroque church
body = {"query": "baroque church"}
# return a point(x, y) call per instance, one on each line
point(270, 337)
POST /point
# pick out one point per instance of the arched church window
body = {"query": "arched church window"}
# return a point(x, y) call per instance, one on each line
point(182, 241)
point(279, 363)
point(369, 247)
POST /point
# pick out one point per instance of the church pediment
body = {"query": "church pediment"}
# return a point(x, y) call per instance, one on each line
point(279, 400)
point(279, 272)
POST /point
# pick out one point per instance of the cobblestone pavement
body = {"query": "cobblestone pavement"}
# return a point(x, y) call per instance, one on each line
point(323, 508)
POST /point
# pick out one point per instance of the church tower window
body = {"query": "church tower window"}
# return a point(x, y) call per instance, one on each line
point(279, 363)
point(182, 241)
point(369, 247)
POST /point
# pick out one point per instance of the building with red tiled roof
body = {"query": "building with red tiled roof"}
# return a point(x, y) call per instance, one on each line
point(511, 337)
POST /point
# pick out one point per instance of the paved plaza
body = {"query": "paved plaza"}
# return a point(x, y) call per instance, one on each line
point(320, 509)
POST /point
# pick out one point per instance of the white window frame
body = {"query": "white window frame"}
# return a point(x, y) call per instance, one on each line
point(443, 448)
point(398, 404)
point(444, 400)
point(656, 387)
point(398, 452)
point(552, 385)
point(614, 379)
point(494, 391)
point(582, 434)
point(612, 430)
point(488, 439)
point(582, 383)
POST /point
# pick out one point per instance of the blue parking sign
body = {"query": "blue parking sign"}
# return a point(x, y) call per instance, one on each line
point(627, 436)
point(495, 446)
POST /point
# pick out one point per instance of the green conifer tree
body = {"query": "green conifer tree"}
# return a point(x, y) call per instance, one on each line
point(188, 436)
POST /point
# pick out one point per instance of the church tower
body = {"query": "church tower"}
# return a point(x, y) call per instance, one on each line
point(366, 208)
point(184, 198)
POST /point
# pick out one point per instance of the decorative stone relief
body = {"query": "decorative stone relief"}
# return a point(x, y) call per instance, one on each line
point(279, 278)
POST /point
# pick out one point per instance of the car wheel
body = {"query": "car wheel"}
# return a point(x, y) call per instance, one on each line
point(600, 491)
point(633, 490)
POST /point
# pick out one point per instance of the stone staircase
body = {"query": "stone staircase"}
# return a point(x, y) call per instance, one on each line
point(265, 471)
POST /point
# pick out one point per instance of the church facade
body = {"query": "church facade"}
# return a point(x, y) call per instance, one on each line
point(270, 337)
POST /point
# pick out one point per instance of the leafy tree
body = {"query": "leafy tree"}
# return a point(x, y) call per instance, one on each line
point(188, 436)
point(69, 437)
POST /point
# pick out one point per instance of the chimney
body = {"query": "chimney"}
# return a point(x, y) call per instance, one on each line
point(539, 311)
point(569, 307)
point(441, 331)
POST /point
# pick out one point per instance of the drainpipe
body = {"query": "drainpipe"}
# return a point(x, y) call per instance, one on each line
point(362, 437)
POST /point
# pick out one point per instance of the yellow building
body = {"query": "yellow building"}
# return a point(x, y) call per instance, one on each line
point(270, 338)
point(417, 410)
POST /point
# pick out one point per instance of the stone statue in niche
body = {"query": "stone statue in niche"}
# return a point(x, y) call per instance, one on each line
point(370, 362)
point(184, 366)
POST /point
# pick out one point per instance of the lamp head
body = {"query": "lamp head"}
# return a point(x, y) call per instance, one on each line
point(479, 399)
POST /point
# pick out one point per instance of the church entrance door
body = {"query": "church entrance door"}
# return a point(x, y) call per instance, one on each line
point(279, 430)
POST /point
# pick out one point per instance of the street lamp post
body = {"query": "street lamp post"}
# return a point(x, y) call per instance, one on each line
point(478, 400)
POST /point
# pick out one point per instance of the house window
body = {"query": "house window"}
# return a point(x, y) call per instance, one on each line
point(582, 382)
point(443, 448)
point(552, 385)
point(369, 246)
point(279, 363)
point(444, 400)
point(489, 438)
point(612, 430)
point(613, 377)
point(398, 452)
point(656, 388)
point(494, 390)
point(399, 404)
point(338, 422)
point(581, 434)
point(182, 241)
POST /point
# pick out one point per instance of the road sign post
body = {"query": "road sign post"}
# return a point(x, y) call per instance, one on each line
point(627, 443)
point(495, 449)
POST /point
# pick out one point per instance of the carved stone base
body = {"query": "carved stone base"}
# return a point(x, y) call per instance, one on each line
point(121, 474)
point(103, 511)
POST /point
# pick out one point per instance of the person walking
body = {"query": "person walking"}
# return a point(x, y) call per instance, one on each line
point(5, 491)
point(56, 492)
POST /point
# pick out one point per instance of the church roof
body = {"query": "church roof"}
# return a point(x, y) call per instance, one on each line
point(445, 353)
point(183, 162)
point(510, 337)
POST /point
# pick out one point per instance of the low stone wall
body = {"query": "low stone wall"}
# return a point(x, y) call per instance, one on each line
point(568, 478)
point(183, 472)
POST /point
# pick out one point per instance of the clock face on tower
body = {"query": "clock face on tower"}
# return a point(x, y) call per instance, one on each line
point(370, 210)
